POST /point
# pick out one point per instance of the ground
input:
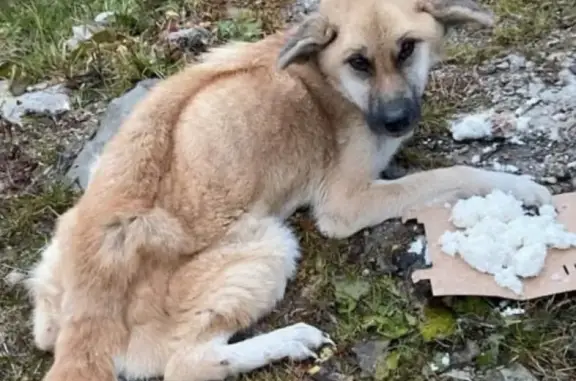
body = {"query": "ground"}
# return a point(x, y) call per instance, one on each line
point(359, 290)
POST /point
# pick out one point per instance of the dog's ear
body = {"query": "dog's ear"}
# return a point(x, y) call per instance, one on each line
point(456, 12)
point(308, 38)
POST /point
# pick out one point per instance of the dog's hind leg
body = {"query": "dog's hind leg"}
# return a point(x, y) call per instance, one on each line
point(216, 359)
point(227, 289)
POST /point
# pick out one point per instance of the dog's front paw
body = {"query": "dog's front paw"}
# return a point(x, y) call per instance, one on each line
point(520, 186)
point(300, 340)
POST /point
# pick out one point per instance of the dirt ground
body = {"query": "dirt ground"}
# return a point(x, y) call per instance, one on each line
point(359, 290)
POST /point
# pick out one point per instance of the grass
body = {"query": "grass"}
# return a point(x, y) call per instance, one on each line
point(26, 223)
point(519, 25)
point(351, 289)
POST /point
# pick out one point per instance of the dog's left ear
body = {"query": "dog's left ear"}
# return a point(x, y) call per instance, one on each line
point(308, 38)
point(456, 12)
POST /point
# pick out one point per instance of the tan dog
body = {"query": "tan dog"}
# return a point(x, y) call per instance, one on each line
point(179, 240)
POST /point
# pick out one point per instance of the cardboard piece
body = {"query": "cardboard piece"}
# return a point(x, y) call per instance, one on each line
point(452, 276)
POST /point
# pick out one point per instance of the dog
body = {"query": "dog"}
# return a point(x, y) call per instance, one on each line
point(179, 240)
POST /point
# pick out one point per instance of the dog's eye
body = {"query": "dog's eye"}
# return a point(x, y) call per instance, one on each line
point(360, 63)
point(406, 50)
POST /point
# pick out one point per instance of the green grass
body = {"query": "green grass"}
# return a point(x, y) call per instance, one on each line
point(26, 223)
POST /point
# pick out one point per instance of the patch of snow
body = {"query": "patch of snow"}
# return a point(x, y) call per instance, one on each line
point(498, 238)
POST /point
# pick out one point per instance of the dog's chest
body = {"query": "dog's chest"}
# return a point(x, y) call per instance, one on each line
point(386, 148)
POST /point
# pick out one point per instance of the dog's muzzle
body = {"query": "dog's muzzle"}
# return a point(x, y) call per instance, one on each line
point(394, 117)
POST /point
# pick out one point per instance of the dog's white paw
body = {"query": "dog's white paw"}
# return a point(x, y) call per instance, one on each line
point(300, 340)
point(523, 188)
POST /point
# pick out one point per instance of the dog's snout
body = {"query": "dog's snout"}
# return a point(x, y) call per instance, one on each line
point(396, 116)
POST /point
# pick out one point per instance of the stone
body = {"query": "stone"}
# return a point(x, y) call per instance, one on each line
point(190, 39)
point(517, 372)
point(487, 69)
point(458, 375)
point(115, 114)
point(51, 101)
point(516, 62)
point(369, 353)
point(467, 354)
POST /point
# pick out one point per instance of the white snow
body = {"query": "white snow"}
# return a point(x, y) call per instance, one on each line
point(497, 237)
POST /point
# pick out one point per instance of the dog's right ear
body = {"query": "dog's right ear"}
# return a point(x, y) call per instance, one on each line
point(308, 38)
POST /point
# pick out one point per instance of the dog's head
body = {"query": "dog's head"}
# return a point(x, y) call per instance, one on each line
point(378, 53)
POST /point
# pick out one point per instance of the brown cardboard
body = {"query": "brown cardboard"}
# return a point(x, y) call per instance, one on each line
point(452, 276)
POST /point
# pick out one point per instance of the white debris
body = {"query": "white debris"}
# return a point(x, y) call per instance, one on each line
point(81, 33)
point(419, 247)
point(504, 167)
point(105, 18)
point(445, 359)
point(497, 237)
point(509, 311)
point(474, 126)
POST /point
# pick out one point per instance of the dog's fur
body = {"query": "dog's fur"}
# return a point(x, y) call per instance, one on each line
point(179, 242)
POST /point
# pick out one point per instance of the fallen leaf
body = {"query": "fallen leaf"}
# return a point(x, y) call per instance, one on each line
point(349, 292)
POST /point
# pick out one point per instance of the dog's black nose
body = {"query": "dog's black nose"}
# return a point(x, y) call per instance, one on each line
point(396, 116)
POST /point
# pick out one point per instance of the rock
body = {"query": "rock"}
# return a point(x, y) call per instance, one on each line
point(458, 375)
point(517, 372)
point(14, 278)
point(369, 354)
point(191, 39)
point(516, 62)
point(51, 101)
point(503, 65)
point(487, 69)
point(466, 355)
point(300, 8)
point(572, 69)
point(116, 112)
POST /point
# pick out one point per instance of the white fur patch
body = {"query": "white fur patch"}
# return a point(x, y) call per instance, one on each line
point(47, 295)
point(355, 89)
point(296, 342)
point(386, 150)
point(418, 70)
